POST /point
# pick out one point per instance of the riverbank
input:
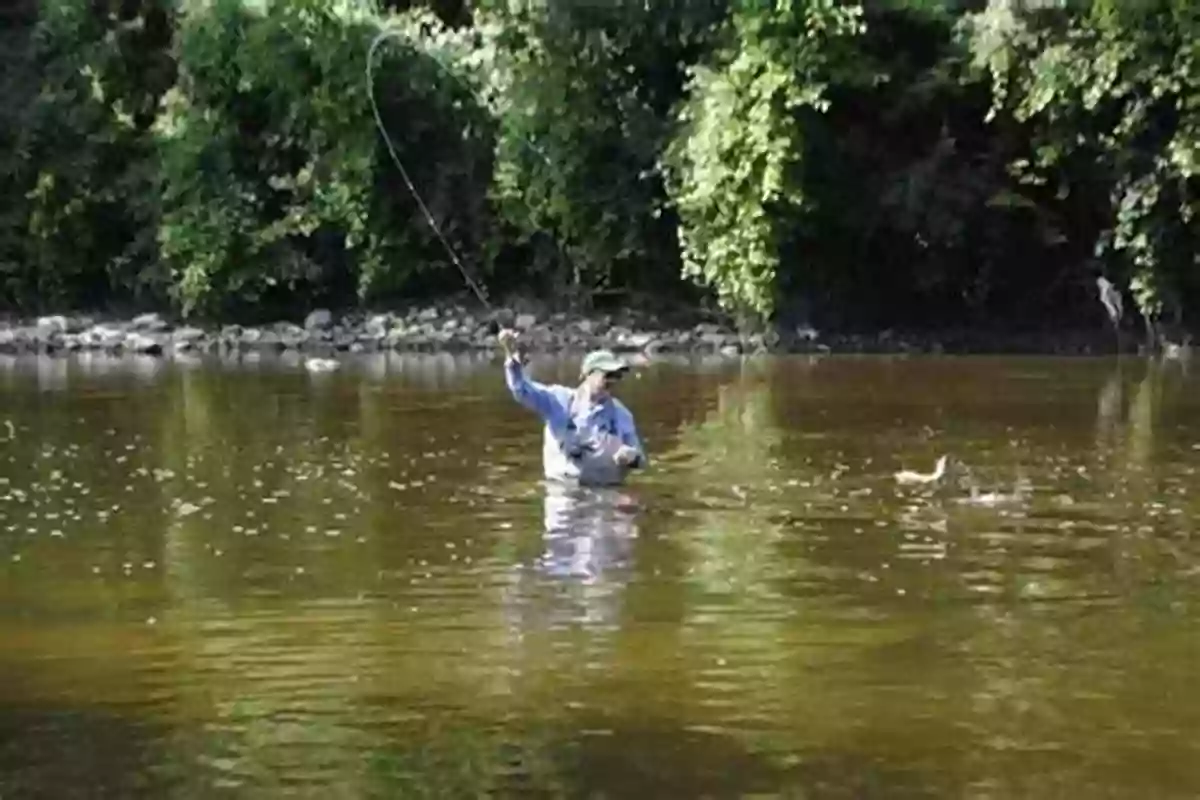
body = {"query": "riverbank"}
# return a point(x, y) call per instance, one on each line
point(454, 328)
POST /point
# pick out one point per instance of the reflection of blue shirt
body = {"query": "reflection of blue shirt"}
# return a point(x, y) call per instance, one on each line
point(573, 442)
point(589, 531)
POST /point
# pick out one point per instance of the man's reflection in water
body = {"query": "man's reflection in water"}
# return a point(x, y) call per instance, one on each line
point(587, 545)
point(588, 531)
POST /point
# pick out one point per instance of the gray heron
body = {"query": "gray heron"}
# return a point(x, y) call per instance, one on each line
point(1110, 296)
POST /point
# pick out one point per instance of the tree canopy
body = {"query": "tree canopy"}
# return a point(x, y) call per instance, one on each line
point(904, 163)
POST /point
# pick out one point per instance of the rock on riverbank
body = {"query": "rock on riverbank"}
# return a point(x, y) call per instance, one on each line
point(456, 328)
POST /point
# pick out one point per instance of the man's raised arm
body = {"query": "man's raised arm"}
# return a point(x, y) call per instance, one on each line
point(531, 394)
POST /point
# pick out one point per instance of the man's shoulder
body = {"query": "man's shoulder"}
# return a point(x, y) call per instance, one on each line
point(561, 393)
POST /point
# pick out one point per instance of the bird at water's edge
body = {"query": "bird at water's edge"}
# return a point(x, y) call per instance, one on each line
point(1110, 298)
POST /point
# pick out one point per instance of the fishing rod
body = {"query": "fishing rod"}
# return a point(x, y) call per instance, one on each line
point(392, 33)
point(379, 39)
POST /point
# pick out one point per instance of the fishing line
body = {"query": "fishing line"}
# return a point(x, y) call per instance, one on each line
point(384, 34)
point(379, 39)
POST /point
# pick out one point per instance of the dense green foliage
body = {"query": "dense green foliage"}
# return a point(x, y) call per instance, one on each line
point(879, 164)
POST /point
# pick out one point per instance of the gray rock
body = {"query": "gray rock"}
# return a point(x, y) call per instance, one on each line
point(291, 336)
point(52, 325)
point(143, 343)
point(318, 319)
point(617, 334)
point(427, 315)
point(712, 340)
point(525, 322)
point(150, 323)
point(657, 346)
point(188, 334)
point(682, 340)
point(807, 333)
point(269, 340)
point(395, 338)
point(103, 337)
point(378, 326)
point(641, 340)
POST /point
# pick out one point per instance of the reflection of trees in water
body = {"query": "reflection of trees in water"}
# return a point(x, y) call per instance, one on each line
point(724, 472)
point(1143, 471)
point(759, 630)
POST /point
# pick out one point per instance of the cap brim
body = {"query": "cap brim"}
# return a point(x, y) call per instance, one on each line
point(607, 367)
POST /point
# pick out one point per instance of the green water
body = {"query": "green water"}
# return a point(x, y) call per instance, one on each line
point(251, 581)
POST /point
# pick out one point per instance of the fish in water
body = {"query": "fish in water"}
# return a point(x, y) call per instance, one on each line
point(908, 476)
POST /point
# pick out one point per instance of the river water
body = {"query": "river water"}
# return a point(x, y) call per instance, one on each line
point(248, 580)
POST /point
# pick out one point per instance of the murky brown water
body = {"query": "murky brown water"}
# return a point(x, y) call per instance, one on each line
point(255, 582)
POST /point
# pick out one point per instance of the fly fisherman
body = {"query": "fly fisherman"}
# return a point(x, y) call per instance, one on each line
point(590, 437)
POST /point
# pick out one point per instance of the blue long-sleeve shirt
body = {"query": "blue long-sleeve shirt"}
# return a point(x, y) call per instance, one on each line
point(575, 433)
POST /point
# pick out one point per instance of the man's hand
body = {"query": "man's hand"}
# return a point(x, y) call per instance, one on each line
point(508, 340)
point(626, 456)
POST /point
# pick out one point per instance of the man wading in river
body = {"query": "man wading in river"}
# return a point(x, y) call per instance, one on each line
point(590, 437)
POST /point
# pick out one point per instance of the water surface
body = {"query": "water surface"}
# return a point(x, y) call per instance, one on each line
point(246, 580)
